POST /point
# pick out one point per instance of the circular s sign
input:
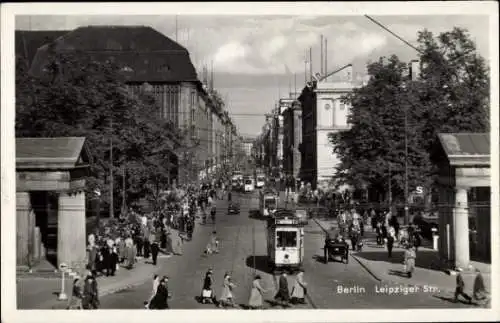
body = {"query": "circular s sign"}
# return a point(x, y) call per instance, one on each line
point(419, 190)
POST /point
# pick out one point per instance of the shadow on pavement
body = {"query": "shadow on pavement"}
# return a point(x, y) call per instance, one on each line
point(398, 273)
point(261, 263)
point(255, 214)
point(449, 299)
point(319, 258)
point(425, 259)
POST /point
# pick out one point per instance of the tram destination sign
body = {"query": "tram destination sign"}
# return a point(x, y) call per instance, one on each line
point(287, 220)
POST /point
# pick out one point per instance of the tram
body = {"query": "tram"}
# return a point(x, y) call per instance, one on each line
point(268, 202)
point(285, 241)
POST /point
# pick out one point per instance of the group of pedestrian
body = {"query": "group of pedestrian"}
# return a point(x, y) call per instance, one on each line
point(85, 294)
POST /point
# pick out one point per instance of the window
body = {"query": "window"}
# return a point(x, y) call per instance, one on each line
point(342, 105)
point(270, 203)
point(286, 239)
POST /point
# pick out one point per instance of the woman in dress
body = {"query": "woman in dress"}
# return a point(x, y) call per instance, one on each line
point(256, 294)
point(156, 283)
point(410, 256)
point(299, 289)
point(226, 298)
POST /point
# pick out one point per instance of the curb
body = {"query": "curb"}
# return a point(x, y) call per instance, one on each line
point(376, 277)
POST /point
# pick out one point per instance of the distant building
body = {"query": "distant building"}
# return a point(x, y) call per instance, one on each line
point(292, 138)
point(247, 146)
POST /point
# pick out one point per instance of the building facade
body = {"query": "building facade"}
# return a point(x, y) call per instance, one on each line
point(323, 112)
point(152, 63)
point(292, 138)
point(331, 117)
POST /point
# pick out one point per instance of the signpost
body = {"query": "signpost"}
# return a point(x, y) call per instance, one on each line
point(62, 295)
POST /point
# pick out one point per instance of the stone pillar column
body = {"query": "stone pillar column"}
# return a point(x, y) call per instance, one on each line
point(461, 228)
point(71, 229)
point(23, 210)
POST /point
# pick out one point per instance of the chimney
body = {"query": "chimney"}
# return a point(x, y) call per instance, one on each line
point(414, 70)
point(348, 72)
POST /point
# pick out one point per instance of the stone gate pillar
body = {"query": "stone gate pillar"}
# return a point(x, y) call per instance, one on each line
point(71, 229)
point(461, 228)
point(24, 223)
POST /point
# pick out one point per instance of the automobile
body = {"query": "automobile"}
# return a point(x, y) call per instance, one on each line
point(302, 215)
point(233, 208)
point(260, 181)
point(249, 186)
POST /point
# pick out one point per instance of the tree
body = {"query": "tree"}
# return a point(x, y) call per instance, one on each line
point(375, 145)
point(451, 95)
point(76, 96)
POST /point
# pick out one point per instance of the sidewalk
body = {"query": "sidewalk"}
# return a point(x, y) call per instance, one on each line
point(427, 274)
point(41, 293)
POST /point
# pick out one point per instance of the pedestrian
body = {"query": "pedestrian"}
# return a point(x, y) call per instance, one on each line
point(207, 292)
point(92, 253)
point(130, 253)
point(379, 233)
point(120, 243)
point(390, 241)
point(90, 298)
point(459, 289)
point(160, 300)
point(299, 289)
point(190, 228)
point(138, 240)
point(226, 298)
point(283, 295)
point(479, 289)
point(145, 239)
point(76, 295)
point(155, 248)
point(373, 220)
point(410, 257)
point(256, 299)
point(156, 282)
point(178, 242)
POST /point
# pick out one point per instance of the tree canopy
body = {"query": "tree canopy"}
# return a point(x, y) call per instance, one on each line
point(76, 96)
point(451, 95)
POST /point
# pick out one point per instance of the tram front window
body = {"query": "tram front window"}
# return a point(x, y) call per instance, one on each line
point(286, 239)
point(269, 203)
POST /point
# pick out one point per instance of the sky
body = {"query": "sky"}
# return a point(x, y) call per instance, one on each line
point(258, 59)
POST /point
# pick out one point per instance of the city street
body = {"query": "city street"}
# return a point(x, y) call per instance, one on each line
point(236, 235)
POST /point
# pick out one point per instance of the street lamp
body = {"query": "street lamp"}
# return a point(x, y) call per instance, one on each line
point(407, 215)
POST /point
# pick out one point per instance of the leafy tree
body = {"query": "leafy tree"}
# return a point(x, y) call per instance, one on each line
point(451, 95)
point(76, 96)
point(375, 145)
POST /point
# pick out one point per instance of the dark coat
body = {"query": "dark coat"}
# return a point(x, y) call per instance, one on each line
point(90, 294)
point(283, 292)
point(160, 300)
point(207, 283)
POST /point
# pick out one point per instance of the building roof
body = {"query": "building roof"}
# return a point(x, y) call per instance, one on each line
point(51, 153)
point(466, 148)
point(27, 42)
point(144, 54)
point(465, 144)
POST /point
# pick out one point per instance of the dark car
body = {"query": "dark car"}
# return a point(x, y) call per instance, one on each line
point(233, 208)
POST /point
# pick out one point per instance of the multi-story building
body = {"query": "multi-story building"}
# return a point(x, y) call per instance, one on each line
point(292, 138)
point(153, 63)
point(323, 111)
point(248, 146)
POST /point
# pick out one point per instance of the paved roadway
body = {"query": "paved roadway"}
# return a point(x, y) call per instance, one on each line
point(237, 234)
